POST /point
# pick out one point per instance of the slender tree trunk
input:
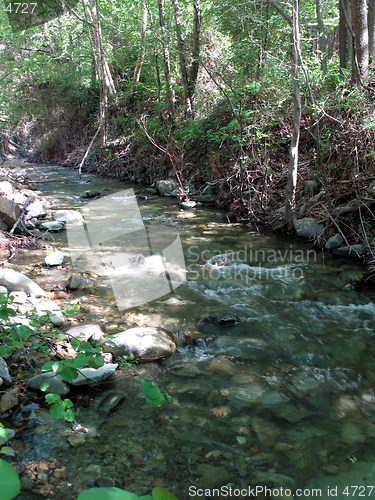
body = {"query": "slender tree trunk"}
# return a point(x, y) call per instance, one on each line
point(182, 58)
point(322, 36)
point(166, 60)
point(290, 204)
point(343, 33)
point(371, 29)
point(141, 57)
point(107, 86)
point(194, 67)
point(360, 58)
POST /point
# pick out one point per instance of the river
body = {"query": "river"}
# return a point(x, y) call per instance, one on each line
point(277, 391)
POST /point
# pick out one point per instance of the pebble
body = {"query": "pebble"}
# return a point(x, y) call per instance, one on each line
point(105, 482)
point(76, 440)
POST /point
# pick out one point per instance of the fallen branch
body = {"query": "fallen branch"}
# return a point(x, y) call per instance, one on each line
point(29, 200)
point(87, 152)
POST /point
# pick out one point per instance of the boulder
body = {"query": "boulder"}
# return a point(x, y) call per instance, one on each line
point(349, 251)
point(146, 343)
point(89, 333)
point(4, 373)
point(9, 212)
point(93, 376)
point(67, 216)
point(6, 190)
point(334, 241)
point(166, 187)
point(15, 281)
point(308, 228)
point(55, 383)
point(188, 205)
point(54, 259)
point(53, 226)
point(77, 282)
point(36, 209)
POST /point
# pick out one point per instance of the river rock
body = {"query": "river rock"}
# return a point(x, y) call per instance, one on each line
point(212, 476)
point(89, 333)
point(93, 376)
point(56, 320)
point(54, 259)
point(188, 205)
point(68, 216)
point(9, 400)
point(9, 211)
point(18, 297)
point(47, 306)
point(15, 281)
point(4, 373)
point(166, 187)
point(36, 209)
point(6, 190)
point(349, 251)
point(109, 403)
point(77, 282)
point(334, 241)
point(76, 440)
point(3, 290)
point(146, 343)
point(308, 228)
point(53, 226)
point(245, 396)
point(56, 383)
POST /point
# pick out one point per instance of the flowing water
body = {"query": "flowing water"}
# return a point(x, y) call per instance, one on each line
point(277, 390)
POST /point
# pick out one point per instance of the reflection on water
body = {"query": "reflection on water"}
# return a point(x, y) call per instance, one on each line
point(284, 397)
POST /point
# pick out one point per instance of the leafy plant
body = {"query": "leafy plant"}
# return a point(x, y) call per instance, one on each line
point(60, 408)
point(10, 484)
point(154, 396)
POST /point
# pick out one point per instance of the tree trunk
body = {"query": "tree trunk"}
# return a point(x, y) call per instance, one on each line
point(182, 58)
point(194, 68)
point(322, 41)
point(141, 57)
point(371, 29)
point(290, 203)
point(107, 86)
point(344, 33)
point(166, 59)
point(360, 58)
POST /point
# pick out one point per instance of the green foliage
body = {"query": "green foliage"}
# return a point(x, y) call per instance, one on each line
point(10, 484)
point(152, 393)
point(60, 408)
point(118, 494)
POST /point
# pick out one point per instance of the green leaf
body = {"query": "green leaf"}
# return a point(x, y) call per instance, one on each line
point(70, 311)
point(50, 365)
point(5, 352)
point(107, 494)
point(10, 484)
point(162, 494)
point(3, 434)
point(81, 360)
point(44, 386)
point(57, 411)
point(24, 332)
point(68, 403)
point(66, 372)
point(52, 398)
point(69, 416)
point(3, 298)
point(96, 361)
point(147, 497)
point(7, 450)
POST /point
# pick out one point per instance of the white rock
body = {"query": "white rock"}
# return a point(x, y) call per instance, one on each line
point(15, 281)
point(145, 343)
point(67, 216)
point(93, 376)
point(55, 258)
point(18, 297)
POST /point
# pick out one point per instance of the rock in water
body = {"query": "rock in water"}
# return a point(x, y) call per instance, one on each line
point(67, 216)
point(54, 258)
point(92, 376)
point(166, 187)
point(52, 226)
point(18, 282)
point(146, 343)
point(9, 212)
point(56, 385)
point(308, 228)
point(4, 373)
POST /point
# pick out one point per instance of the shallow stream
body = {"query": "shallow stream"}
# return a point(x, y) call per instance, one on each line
point(277, 390)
